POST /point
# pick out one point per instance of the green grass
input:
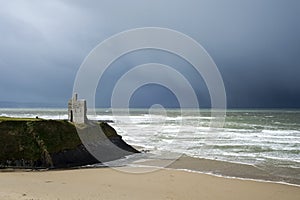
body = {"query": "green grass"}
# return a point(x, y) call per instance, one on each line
point(19, 119)
point(31, 139)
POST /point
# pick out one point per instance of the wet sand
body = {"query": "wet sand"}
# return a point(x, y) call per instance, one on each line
point(107, 183)
point(229, 169)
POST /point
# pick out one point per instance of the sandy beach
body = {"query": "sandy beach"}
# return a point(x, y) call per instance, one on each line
point(107, 183)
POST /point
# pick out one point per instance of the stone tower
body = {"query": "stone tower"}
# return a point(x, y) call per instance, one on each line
point(77, 110)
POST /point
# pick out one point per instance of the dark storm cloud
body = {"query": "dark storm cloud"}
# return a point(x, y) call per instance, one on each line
point(255, 44)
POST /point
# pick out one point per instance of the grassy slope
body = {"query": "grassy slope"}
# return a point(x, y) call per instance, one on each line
point(32, 139)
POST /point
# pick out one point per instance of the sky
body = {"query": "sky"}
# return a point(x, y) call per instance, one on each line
point(254, 43)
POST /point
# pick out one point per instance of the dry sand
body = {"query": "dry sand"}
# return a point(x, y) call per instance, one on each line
point(107, 183)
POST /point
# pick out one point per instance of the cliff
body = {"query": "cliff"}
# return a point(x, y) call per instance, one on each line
point(39, 143)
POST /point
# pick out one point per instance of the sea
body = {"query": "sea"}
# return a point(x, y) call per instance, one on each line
point(266, 139)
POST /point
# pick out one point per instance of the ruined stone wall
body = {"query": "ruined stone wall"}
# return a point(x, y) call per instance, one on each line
point(77, 110)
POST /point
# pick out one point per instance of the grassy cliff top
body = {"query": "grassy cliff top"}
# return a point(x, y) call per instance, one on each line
point(29, 138)
point(19, 119)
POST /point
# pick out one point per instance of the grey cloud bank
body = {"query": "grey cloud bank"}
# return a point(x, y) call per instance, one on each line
point(255, 44)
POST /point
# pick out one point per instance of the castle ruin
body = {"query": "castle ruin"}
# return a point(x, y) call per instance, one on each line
point(77, 110)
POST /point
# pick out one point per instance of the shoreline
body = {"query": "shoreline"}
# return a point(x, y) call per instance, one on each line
point(107, 183)
point(217, 168)
point(225, 169)
point(237, 170)
point(235, 178)
point(16, 170)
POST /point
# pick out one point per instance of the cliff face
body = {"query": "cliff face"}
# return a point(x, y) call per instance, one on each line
point(57, 143)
